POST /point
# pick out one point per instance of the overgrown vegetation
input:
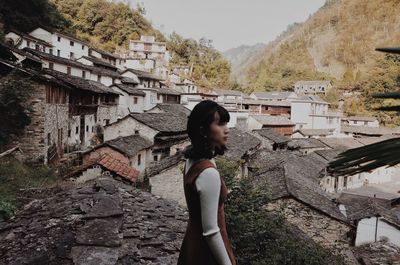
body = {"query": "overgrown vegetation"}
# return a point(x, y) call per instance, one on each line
point(14, 176)
point(259, 237)
point(15, 90)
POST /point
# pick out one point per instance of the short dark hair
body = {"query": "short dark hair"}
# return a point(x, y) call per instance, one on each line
point(199, 120)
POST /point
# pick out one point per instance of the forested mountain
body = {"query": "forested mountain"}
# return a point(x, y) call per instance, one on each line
point(337, 42)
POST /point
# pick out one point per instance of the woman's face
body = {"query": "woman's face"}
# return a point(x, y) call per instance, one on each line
point(218, 131)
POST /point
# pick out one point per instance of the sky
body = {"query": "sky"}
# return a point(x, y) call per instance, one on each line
point(229, 23)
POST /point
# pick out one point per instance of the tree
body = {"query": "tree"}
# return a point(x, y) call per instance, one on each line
point(373, 156)
point(14, 93)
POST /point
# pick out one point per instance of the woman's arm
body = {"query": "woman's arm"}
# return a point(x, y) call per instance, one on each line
point(208, 185)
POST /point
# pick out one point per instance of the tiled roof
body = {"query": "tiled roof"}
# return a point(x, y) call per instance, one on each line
point(272, 135)
point(99, 62)
point(118, 167)
point(340, 143)
point(128, 80)
point(315, 132)
point(130, 89)
point(81, 83)
point(239, 143)
point(287, 174)
point(103, 221)
point(304, 143)
point(129, 145)
point(143, 74)
point(272, 120)
point(64, 34)
point(172, 108)
point(167, 91)
point(368, 130)
point(163, 122)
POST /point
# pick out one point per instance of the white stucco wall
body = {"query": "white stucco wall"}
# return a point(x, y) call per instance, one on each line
point(366, 231)
point(126, 127)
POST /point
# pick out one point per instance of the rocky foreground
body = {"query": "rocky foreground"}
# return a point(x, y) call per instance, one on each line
point(101, 222)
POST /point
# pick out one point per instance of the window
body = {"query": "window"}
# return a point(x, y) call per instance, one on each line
point(139, 158)
point(87, 128)
point(136, 131)
point(28, 43)
point(107, 121)
point(71, 43)
point(68, 70)
point(92, 128)
point(71, 55)
point(58, 38)
point(48, 139)
point(135, 100)
point(51, 66)
point(58, 53)
point(83, 74)
point(76, 130)
point(69, 133)
point(37, 47)
point(155, 158)
point(365, 123)
point(51, 51)
point(99, 78)
point(83, 47)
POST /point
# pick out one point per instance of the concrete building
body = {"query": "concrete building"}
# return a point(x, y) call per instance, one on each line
point(312, 87)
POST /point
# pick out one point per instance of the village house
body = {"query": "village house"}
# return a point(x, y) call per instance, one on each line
point(189, 100)
point(312, 87)
point(20, 40)
point(167, 131)
point(312, 133)
point(270, 107)
point(65, 45)
point(361, 130)
point(337, 184)
point(186, 86)
point(107, 57)
point(279, 124)
point(306, 145)
point(360, 121)
point(131, 98)
point(311, 112)
point(147, 47)
point(133, 150)
point(275, 95)
point(45, 138)
point(270, 139)
point(375, 218)
point(226, 94)
point(290, 181)
point(74, 68)
point(170, 108)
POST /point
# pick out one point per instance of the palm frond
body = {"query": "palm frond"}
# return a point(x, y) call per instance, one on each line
point(388, 108)
point(366, 158)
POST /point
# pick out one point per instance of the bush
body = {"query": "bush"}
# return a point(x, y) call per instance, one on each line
point(259, 237)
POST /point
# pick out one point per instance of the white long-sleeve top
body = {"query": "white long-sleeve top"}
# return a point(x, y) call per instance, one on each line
point(208, 185)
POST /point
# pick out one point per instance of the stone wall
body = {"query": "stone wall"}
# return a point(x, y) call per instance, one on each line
point(323, 229)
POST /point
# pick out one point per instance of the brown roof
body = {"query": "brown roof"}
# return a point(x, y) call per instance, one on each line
point(118, 167)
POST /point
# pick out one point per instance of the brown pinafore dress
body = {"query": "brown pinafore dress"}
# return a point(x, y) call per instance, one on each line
point(194, 249)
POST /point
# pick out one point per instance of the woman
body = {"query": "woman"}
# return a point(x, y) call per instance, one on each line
point(206, 240)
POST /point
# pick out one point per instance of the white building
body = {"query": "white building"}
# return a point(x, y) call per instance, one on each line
point(148, 48)
point(312, 87)
point(274, 95)
point(22, 40)
point(65, 46)
point(311, 112)
point(361, 121)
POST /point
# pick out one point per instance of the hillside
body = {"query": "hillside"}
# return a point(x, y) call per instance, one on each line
point(337, 42)
point(241, 57)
